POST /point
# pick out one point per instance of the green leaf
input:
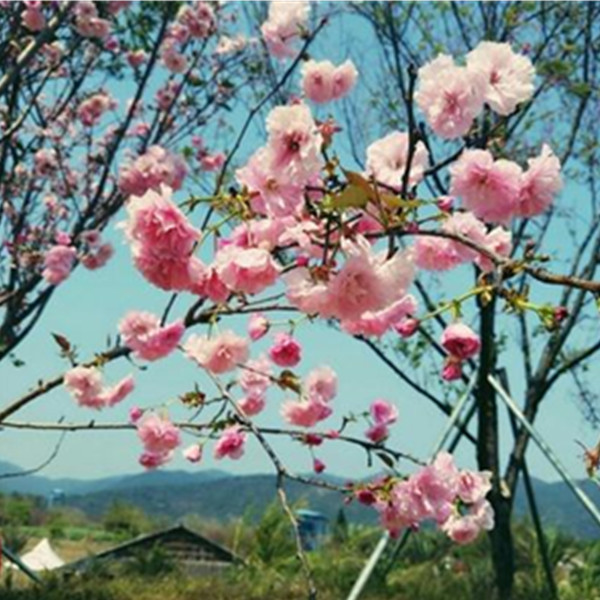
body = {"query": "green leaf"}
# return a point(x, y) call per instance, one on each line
point(352, 196)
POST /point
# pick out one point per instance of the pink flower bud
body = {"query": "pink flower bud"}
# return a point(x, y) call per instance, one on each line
point(460, 341)
point(377, 433)
point(452, 369)
point(407, 327)
point(561, 313)
point(318, 466)
point(258, 325)
point(286, 351)
point(366, 497)
point(193, 453)
point(312, 439)
point(302, 261)
point(135, 414)
point(445, 203)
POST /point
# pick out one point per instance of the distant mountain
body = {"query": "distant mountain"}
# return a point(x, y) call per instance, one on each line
point(217, 495)
point(220, 499)
point(43, 486)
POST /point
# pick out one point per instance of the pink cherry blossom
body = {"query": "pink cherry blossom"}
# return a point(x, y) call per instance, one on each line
point(461, 341)
point(118, 392)
point(445, 203)
point(383, 412)
point(317, 80)
point(92, 27)
point(323, 81)
point(367, 294)
point(499, 241)
point(255, 378)
point(473, 486)
point(33, 19)
point(462, 529)
point(212, 162)
point(249, 271)
point(96, 258)
point(467, 225)
point(367, 281)
point(261, 233)
point(90, 111)
point(295, 141)
point(377, 433)
point(285, 351)
point(58, 263)
point(149, 171)
point(407, 327)
point(509, 75)
point(135, 414)
point(376, 323)
point(154, 219)
point(158, 434)
point(344, 79)
point(258, 326)
point(153, 460)
point(321, 384)
point(251, 405)
point(142, 332)
point(386, 160)
point(193, 453)
point(165, 272)
point(305, 293)
point(198, 18)
point(435, 253)
point(230, 444)
point(86, 387)
point(283, 25)
point(45, 162)
point(136, 58)
point(161, 239)
point(490, 189)
point(273, 192)
point(305, 413)
point(217, 354)
point(451, 97)
point(173, 60)
point(541, 183)
point(84, 384)
point(452, 369)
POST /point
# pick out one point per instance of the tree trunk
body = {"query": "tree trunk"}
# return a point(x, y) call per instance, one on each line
point(488, 458)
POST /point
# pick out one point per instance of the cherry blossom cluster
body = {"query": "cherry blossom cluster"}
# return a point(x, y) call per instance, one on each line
point(150, 170)
point(285, 24)
point(86, 387)
point(453, 499)
point(196, 20)
point(82, 129)
point(338, 245)
point(323, 81)
point(452, 96)
point(60, 258)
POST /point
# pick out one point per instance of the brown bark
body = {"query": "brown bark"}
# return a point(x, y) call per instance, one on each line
point(501, 542)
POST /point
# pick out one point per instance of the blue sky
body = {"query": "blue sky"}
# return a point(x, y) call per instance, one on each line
point(88, 306)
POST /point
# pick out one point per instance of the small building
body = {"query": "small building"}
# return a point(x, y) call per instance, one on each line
point(313, 527)
point(181, 546)
point(42, 557)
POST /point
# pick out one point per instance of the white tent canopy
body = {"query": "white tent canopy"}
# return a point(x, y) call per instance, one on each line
point(42, 557)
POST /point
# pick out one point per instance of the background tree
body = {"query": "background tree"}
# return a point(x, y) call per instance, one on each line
point(563, 41)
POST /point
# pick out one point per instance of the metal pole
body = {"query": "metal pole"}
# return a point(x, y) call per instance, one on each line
point(545, 448)
point(360, 583)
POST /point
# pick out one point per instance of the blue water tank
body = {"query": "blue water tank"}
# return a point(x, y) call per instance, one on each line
point(313, 527)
